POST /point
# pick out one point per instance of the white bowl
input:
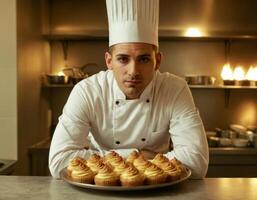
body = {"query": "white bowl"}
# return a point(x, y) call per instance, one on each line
point(240, 142)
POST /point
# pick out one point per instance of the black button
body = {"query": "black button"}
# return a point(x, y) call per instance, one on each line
point(147, 101)
point(117, 142)
point(143, 139)
point(117, 102)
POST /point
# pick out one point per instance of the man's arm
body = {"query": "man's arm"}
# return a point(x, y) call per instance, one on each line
point(188, 136)
point(70, 136)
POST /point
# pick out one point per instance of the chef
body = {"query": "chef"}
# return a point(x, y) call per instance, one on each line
point(131, 106)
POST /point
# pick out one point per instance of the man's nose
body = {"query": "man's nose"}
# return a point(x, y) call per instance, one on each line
point(133, 69)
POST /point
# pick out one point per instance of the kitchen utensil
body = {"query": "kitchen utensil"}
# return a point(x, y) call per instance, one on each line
point(200, 80)
point(238, 128)
point(213, 141)
point(56, 79)
point(240, 142)
point(225, 142)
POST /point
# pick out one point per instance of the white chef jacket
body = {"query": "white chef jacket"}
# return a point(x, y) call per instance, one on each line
point(164, 112)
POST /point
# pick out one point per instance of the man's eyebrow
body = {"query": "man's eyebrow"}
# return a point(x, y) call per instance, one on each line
point(121, 54)
point(144, 55)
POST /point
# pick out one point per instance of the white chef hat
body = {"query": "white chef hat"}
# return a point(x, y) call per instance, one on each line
point(133, 21)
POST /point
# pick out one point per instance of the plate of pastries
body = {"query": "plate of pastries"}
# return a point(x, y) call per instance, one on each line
point(113, 172)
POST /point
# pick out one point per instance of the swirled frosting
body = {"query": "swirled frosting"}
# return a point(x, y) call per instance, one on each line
point(114, 159)
point(121, 167)
point(131, 173)
point(82, 170)
point(141, 163)
point(175, 161)
point(160, 159)
point(95, 167)
point(94, 160)
point(154, 171)
point(75, 162)
point(132, 156)
point(105, 173)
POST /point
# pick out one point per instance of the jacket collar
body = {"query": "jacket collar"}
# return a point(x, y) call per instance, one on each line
point(146, 94)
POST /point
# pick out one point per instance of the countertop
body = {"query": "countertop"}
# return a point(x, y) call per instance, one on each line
point(41, 188)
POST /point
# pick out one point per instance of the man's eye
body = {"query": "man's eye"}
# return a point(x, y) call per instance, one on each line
point(144, 60)
point(123, 59)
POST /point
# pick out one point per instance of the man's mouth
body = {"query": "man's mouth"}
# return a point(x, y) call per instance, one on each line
point(132, 83)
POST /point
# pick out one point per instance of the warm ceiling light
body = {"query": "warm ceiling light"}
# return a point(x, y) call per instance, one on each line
point(193, 32)
point(239, 73)
point(227, 73)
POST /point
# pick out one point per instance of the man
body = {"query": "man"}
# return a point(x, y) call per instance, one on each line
point(131, 106)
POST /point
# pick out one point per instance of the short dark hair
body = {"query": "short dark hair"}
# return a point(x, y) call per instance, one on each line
point(111, 48)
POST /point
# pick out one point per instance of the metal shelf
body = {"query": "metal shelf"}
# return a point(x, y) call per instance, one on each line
point(46, 85)
point(221, 87)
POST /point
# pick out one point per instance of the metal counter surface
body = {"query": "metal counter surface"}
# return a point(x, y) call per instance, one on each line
point(41, 188)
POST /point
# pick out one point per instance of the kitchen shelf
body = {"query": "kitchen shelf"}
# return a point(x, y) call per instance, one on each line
point(164, 35)
point(221, 87)
point(70, 85)
point(46, 85)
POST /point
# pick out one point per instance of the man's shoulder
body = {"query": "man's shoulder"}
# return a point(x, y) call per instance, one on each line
point(96, 85)
point(98, 79)
point(170, 80)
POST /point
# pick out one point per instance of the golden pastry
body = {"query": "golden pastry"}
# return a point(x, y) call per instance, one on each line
point(94, 162)
point(131, 177)
point(142, 164)
point(74, 162)
point(154, 175)
point(107, 177)
point(132, 156)
point(159, 159)
point(172, 171)
point(82, 174)
point(113, 158)
point(121, 167)
point(180, 167)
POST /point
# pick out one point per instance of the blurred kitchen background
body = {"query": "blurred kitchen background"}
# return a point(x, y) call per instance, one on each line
point(47, 46)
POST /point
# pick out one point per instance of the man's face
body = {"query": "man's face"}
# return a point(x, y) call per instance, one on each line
point(133, 66)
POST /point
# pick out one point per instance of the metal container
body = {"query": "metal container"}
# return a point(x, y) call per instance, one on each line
point(200, 80)
point(56, 79)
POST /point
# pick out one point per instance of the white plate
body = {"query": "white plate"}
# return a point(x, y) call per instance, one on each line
point(63, 176)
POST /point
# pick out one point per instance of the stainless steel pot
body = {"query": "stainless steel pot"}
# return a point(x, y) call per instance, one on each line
point(200, 80)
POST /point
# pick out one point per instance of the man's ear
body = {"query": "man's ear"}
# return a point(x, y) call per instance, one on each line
point(158, 56)
point(108, 60)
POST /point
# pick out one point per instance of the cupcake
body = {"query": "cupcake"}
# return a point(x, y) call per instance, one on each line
point(74, 163)
point(107, 177)
point(180, 167)
point(131, 177)
point(113, 158)
point(171, 170)
point(94, 162)
point(121, 167)
point(159, 159)
point(82, 174)
point(132, 156)
point(97, 166)
point(155, 175)
point(142, 164)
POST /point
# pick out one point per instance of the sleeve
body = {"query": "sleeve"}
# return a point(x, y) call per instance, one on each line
point(188, 135)
point(70, 136)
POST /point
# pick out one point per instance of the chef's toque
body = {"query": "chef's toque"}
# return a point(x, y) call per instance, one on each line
point(133, 21)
